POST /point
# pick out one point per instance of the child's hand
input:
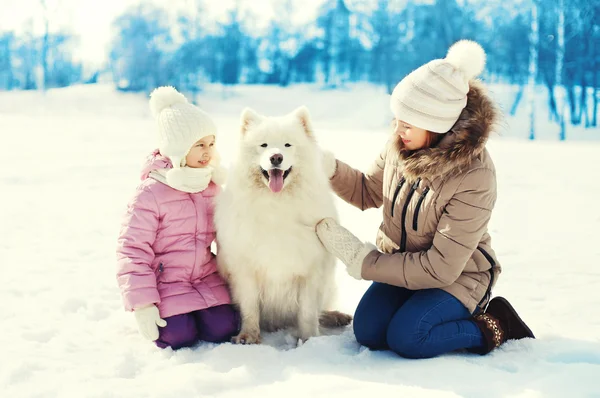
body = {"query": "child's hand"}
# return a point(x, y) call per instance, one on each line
point(219, 175)
point(149, 320)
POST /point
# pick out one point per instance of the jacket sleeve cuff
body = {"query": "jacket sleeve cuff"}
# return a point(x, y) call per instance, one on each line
point(329, 164)
point(369, 262)
point(139, 298)
point(384, 268)
point(334, 172)
point(342, 180)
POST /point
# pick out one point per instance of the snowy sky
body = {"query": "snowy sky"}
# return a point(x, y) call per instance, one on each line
point(91, 19)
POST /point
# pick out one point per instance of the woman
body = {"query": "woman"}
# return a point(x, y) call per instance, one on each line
point(434, 267)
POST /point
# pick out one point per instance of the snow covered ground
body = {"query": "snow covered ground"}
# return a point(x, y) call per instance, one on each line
point(72, 159)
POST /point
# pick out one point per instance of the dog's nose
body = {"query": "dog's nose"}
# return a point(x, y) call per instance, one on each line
point(276, 159)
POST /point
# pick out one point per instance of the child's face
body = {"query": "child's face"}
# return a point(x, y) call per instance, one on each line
point(201, 152)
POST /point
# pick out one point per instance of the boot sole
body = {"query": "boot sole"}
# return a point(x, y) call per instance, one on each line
point(523, 324)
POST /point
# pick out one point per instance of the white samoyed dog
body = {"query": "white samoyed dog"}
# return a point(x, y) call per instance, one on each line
point(280, 274)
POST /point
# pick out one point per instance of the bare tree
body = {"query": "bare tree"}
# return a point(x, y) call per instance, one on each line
point(45, 45)
point(6, 67)
point(595, 64)
point(560, 59)
point(49, 42)
point(385, 39)
point(533, 66)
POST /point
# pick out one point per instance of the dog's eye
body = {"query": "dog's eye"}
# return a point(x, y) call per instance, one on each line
point(264, 145)
point(288, 145)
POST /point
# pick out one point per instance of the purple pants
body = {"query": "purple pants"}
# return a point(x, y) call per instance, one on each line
point(215, 325)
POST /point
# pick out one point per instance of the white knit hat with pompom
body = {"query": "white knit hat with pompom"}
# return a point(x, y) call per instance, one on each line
point(180, 125)
point(433, 96)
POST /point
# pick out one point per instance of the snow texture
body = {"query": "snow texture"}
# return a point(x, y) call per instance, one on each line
point(72, 160)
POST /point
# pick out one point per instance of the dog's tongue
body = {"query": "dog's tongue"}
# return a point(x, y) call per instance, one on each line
point(275, 180)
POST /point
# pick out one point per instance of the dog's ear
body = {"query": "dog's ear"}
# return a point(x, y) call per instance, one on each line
point(303, 115)
point(249, 117)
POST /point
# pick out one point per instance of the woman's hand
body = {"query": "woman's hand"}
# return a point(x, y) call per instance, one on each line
point(329, 163)
point(344, 245)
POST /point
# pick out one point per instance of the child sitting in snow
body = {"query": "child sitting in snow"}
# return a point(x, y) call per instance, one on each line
point(166, 270)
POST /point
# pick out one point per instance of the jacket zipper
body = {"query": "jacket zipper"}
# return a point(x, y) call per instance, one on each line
point(413, 188)
point(398, 188)
point(488, 292)
point(195, 236)
point(419, 203)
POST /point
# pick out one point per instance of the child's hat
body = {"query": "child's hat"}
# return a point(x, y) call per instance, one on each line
point(433, 96)
point(180, 124)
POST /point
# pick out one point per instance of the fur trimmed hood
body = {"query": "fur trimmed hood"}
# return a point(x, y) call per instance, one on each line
point(464, 142)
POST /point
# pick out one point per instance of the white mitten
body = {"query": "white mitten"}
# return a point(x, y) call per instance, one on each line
point(148, 320)
point(344, 245)
point(329, 163)
point(219, 175)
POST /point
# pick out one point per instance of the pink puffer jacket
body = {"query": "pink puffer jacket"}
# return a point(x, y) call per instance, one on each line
point(163, 253)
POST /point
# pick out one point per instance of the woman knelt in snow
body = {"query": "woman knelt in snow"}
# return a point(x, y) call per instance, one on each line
point(433, 267)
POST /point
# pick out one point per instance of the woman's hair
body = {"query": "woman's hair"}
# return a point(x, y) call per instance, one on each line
point(432, 140)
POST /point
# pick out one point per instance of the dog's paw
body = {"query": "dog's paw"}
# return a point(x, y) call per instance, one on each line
point(334, 319)
point(246, 338)
point(307, 335)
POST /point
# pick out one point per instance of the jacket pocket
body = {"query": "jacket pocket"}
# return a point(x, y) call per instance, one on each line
point(418, 208)
point(384, 243)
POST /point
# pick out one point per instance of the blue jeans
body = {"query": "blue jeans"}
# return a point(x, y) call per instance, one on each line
point(414, 324)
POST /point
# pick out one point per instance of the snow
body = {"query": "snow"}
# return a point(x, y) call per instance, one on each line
point(72, 160)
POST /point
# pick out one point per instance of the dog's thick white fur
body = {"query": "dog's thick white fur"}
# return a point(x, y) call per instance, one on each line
point(279, 273)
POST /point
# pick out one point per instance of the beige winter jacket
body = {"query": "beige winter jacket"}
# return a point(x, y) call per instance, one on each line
point(436, 204)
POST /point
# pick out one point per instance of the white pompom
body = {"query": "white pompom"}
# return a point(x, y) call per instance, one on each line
point(164, 97)
point(176, 177)
point(468, 56)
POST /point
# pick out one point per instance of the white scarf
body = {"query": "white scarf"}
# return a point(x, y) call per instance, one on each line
point(185, 179)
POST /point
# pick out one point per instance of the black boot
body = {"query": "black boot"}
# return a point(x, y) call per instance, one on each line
point(514, 326)
point(499, 323)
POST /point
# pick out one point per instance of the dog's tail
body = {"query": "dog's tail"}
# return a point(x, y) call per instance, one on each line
point(334, 319)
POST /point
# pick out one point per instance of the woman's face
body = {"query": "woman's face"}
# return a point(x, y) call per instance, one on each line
point(412, 137)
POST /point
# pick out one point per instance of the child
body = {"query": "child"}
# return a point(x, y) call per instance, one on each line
point(166, 271)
